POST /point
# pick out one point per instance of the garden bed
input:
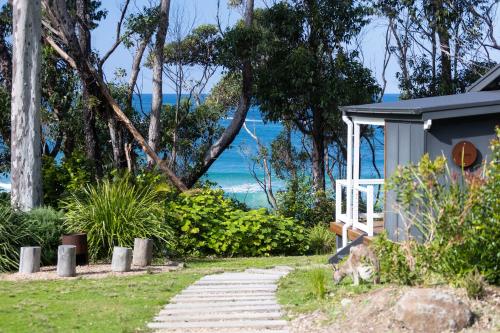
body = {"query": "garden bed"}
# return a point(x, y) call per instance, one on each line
point(367, 308)
point(96, 271)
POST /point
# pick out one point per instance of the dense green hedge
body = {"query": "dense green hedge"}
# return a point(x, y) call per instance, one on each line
point(207, 223)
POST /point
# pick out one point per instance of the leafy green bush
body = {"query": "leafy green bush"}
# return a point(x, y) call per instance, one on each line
point(398, 264)
point(114, 213)
point(320, 239)
point(13, 235)
point(207, 223)
point(301, 202)
point(59, 179)
point(45, 227)
point(458, 217)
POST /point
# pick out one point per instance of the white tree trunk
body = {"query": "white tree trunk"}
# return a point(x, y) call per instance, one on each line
point(156, 103)
point(25, 108)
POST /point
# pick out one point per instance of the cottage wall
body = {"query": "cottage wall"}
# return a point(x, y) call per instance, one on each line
point(446, 133)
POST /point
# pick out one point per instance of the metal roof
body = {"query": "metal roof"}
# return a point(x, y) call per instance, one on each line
point(479, 101)
point(489, 81)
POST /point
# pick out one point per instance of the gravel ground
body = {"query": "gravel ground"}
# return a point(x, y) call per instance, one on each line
point(89, 272)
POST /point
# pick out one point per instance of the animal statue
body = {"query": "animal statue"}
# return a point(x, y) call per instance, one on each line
point(362, 263)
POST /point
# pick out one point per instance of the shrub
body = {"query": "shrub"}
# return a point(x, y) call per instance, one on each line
point(457, 216)
point(398, 263)
point(320, 239)
point(474, 284)
point(45, 226)
point(13, 235)
point(301, 202)
point(207, 223)
point(318, 280)
point(114, 213)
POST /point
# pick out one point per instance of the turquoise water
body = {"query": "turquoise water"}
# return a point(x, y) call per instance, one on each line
point(231, 170)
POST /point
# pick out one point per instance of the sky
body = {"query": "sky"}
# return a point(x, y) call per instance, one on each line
point(196, 12)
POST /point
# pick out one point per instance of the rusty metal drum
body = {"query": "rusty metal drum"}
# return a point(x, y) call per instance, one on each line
point(80, 241)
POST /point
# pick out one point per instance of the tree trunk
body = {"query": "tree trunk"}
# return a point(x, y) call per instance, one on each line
point(26, 163)
point(156, 103)
point(239, 116)
point(117, 143)
point(57, 12)
point(318, 153)
point(89, 115)
point(442, 28)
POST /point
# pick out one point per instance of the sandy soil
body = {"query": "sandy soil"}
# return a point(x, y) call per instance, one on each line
point(373, 312)
point(90, 272)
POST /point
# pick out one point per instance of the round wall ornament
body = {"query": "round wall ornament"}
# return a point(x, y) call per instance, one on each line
point(464, 153)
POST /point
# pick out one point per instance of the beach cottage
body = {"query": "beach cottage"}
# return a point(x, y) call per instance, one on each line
point(458, 126)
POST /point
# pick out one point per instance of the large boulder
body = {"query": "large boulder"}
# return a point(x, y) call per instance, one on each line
point(431, 310)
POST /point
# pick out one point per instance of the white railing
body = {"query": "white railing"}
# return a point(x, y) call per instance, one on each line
point(351, 216)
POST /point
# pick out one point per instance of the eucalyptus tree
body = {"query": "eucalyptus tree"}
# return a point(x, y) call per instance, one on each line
point(26, 162)
point(306, 69)
point(158, 56)
point(439, 43)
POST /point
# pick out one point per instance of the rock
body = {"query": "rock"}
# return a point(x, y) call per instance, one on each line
point(431, 310)
point(345, 302)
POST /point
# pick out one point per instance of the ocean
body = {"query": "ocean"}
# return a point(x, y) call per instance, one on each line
point(231, 171)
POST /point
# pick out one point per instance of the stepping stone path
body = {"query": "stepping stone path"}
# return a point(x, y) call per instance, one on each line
point(242, 302)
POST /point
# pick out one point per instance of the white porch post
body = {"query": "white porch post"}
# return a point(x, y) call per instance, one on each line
point(349, 179)
point(355, 181)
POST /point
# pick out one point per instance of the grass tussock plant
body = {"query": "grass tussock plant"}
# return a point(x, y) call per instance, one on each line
point(113, 213)
point(456, 218)
point(13, 235)
point(318, 281)
point(320, 239)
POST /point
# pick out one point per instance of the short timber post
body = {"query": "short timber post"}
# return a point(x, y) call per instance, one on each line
point(143, 252)
point(122, 259)
point(66, 260)
point(29, 259)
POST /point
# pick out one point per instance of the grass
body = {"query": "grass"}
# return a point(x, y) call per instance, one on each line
point(114, 304)
point(301, 291)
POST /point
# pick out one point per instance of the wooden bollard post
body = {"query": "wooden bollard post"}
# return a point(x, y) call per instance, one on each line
point(29, 259)
point(66, 260)
point(143, 252)
point(122, 259)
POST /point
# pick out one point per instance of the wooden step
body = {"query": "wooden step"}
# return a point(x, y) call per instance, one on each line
point(352, 234)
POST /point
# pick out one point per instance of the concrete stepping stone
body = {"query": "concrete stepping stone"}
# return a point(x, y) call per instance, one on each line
point(242, 302)
point(204, 299)
point(227, 309)
point(221, 330)
point(221, 324)
point(222, 316)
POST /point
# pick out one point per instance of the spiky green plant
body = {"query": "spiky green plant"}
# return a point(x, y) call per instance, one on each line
point(318, 280)
point(114, 213)
point(13, 235)
point(320, 239)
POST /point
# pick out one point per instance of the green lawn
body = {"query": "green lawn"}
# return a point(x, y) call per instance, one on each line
point(296, 292)
point(112, 304)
